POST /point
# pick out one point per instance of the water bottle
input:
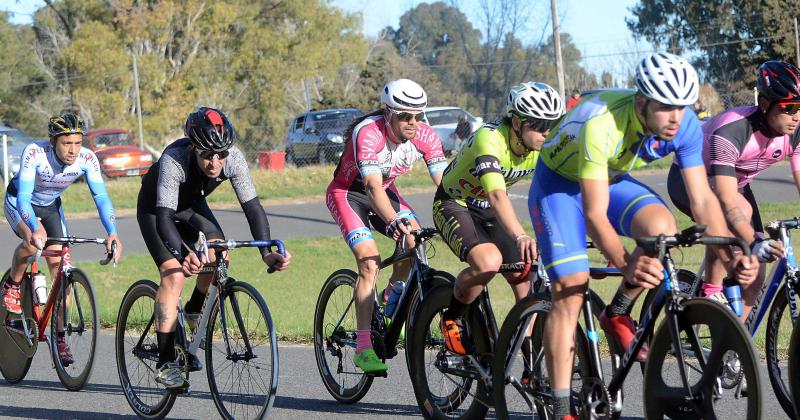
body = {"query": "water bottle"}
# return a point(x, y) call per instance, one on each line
point(391, 303)
point(734, 294)
point(40, 288)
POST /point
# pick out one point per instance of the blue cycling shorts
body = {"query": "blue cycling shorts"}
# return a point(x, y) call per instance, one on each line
point(557, 215)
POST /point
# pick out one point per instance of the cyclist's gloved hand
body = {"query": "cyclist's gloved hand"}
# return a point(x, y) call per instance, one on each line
point(398, 226)
point(767, 250)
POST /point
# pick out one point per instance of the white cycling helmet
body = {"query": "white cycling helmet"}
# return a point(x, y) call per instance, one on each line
point(404, 94)
point(534, 100)
point(668, 79)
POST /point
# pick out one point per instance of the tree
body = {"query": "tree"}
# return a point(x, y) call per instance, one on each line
point(732, 37)
point(19, 78)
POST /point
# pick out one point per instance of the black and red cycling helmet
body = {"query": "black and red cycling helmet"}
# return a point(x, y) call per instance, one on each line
point(779, 81)
point(210, 129)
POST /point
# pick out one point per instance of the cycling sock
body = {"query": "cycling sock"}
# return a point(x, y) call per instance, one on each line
point(195, 303)
point(166, 348)
point(620, 305)
point(709, 289)
point(363, 340)
point(457, 308)
point(561, 405)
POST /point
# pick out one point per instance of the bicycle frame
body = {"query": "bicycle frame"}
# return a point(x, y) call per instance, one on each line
point(42, 315)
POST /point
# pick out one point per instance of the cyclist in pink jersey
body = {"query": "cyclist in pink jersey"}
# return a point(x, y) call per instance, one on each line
point(738, 144)
point(381, 146)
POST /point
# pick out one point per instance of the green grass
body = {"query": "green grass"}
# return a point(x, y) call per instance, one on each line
point(292, 295)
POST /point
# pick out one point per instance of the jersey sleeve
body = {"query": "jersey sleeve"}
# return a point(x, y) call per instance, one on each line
point(25, 183)
point(367, 142)
point(723, 155)
point(433, 153)
point(170, 177)
point(94, 178)
point(689, 141)
point(595, 144)
point(236, 168)
point(487, 162)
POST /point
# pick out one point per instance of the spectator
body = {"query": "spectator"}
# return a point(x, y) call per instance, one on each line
point(701, 111)
point(463, 130)
point(573, 99)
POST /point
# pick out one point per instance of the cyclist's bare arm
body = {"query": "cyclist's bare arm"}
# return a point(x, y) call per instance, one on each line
point(373, 185)
point(727, 191)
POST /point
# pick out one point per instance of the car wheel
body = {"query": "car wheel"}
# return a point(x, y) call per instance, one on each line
point(290, 160)
point(322, 157)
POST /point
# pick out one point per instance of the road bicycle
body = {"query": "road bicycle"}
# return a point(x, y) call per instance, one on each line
point(335, 319)
point(70, 310)
point(772, 301)
point(235, 330)
point(683, 373)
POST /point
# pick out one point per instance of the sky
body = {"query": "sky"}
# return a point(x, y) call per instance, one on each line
point(597, 28)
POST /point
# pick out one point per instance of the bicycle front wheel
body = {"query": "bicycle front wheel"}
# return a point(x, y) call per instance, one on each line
point(441, 379)
point(779, 329)
point(714, 345)
point(335, 339)
point(137, 353)
point(75, 319)
point(241, 353)
point(794, 365)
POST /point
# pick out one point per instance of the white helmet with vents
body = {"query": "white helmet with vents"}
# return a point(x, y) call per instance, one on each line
point(534, 100)
point(667, 78)
point(404, 94)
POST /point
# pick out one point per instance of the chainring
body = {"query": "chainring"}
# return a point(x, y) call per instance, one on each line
point(594, 399)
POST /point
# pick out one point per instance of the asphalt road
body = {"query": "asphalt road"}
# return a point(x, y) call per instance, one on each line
point(300, 392)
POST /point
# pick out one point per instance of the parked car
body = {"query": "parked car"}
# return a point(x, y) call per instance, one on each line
point(118, 153)
point(17, 140)
point(316, 136)
point(444, 119)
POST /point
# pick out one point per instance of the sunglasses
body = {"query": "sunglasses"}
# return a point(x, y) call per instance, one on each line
point(209, 154)
point(407, 116)
point(541, 126)
point(789, 108)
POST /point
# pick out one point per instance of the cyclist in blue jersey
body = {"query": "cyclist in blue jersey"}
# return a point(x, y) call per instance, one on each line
point(33, 201)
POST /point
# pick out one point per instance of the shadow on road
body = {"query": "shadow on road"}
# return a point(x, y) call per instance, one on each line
point(328, 406)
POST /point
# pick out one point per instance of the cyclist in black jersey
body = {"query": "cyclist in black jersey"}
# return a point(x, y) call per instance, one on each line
point(172, 209)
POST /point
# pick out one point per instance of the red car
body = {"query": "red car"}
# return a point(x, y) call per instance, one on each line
point(118, 153)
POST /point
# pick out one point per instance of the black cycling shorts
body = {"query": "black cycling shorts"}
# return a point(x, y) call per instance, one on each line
point(189, 222)
point(680, 198)
point(464, 227)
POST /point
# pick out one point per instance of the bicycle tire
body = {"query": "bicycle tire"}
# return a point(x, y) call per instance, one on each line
point(794, 364)
point(15, 353)
point(722, 333)
point(776, 349)
point(432, 279)
point(80, 330)
point(147, 398)
point(339, 344)
point(248, 357)
point(425, 340)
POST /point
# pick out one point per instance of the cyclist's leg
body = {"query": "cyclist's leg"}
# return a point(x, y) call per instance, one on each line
point(52, 218)
point(750, 292)
point(557, 215)
point(194, 220)
point(11, 292)
point(400, 269)
point(351, 211)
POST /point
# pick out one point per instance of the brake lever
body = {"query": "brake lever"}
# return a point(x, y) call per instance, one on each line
point(110, 256)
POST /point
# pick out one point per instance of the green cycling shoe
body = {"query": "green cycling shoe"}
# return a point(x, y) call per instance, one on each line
point(369, 362)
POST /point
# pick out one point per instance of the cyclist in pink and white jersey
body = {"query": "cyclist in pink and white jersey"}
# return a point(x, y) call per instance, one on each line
point(738, 144)
point(380, 146)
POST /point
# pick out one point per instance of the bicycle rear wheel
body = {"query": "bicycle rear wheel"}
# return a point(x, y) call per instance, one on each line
point(137, 353)
point(441, 379)
point(241, 353)
point(779, 330)
point(335, 339)
point(16, 354)
point(710, 336)
point(76, 317)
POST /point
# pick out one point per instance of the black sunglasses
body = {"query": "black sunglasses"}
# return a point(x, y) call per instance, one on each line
point(209, 154)
point(407, 116)
point(541, 126)
point(789, 108)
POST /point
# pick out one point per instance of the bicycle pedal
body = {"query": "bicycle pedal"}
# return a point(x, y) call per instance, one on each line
point(378, 374)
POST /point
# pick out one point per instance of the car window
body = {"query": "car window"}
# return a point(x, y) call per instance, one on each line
point(112, 139)
point(298, 123)
point(16, 138)
point(334, 121)
point(447, 116)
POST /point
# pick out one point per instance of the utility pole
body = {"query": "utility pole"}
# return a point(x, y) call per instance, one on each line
point(557, 45)
point(138, 98)
point(796, 43)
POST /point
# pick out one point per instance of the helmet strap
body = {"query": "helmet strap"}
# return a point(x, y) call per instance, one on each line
point(518, 138)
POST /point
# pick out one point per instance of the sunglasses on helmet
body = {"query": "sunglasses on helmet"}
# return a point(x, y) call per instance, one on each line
point(789, 108)
point(407, 116)
point(541, 126)
point(209, 154)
